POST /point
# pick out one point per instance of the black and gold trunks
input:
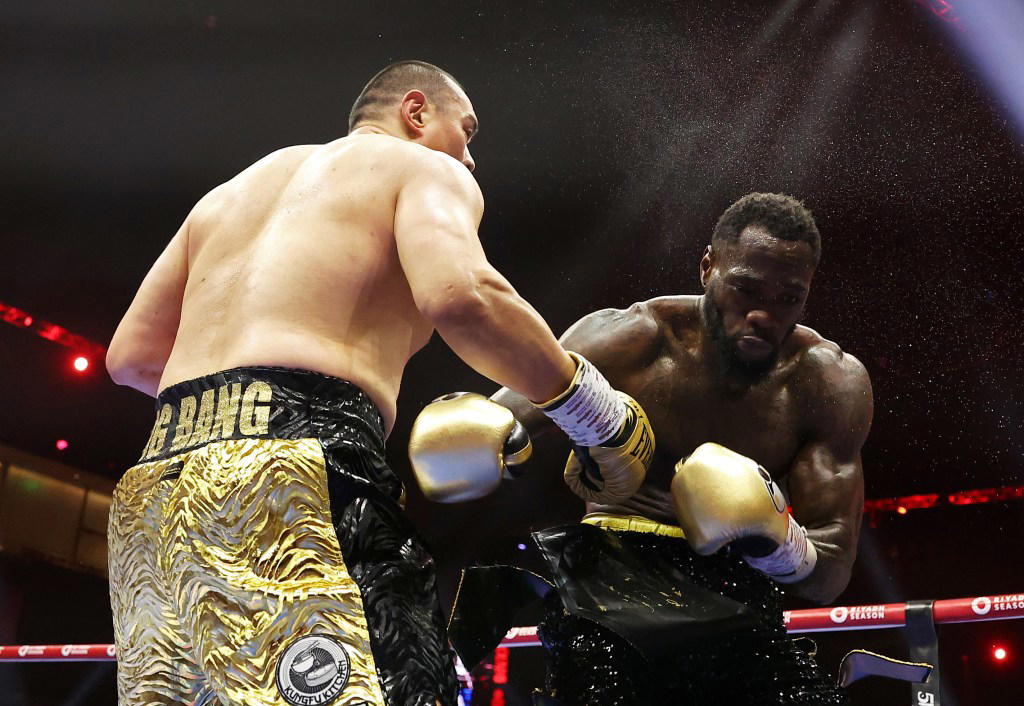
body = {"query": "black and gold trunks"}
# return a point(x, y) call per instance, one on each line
point(259, 554)
point(632, 660)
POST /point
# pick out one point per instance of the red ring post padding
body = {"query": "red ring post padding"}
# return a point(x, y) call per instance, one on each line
point(861, 617)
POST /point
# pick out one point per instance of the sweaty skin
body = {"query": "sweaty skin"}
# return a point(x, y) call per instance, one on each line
point(339, 258)
point(805, 421)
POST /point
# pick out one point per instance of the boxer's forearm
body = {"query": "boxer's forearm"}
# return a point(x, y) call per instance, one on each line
point(836, 551)
point(498, 334)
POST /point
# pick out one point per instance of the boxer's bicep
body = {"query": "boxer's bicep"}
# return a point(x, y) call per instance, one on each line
point(826, 480)
point(145, 336)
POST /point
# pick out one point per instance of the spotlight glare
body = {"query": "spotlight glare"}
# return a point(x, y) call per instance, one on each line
point(61, 444)
point(902, 510)
point(999, 653)
point(81, 363)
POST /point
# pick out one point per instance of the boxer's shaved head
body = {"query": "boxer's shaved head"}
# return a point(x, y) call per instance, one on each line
point(392, 83)
point(784, 217)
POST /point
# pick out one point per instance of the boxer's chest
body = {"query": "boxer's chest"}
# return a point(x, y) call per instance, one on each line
point(687, 408)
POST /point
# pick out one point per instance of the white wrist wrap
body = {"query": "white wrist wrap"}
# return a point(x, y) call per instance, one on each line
point(792, 560)
point(590, 412)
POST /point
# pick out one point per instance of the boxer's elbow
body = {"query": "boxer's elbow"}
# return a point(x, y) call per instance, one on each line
point(126, 368)
point(121, 371)
point(118, 363)
point(463, 301)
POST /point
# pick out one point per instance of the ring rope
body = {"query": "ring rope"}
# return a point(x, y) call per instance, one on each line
point(861, 617)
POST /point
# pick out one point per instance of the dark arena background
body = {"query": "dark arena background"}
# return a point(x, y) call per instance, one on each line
point(613, 134)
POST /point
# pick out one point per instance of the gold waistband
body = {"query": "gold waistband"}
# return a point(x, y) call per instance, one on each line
point(631, 523)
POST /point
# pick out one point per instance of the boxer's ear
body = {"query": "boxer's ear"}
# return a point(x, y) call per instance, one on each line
point(413, 112)
point(706, 263)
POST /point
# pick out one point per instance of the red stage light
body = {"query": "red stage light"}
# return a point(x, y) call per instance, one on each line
point(27, 321)
point(61, 444)
point(501, 665)
point(999, 653)
point(81, 363)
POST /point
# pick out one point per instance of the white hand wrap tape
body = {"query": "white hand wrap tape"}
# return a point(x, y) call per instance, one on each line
point(590, 412)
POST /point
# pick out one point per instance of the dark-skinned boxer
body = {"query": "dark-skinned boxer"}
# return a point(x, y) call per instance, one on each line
point(754, 414)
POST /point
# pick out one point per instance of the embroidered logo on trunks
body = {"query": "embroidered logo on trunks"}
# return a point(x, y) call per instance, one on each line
point(312, 671)
point(230, 411)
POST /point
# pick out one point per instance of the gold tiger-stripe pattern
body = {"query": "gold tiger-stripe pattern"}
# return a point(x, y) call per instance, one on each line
point(219, 559)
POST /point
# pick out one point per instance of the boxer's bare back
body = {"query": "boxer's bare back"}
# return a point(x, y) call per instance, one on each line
point(294, 263)
point(339, 258)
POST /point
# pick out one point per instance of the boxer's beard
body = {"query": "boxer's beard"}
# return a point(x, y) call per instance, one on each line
point(748, 372)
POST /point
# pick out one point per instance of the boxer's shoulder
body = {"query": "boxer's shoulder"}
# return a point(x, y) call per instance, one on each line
point(829, 378)
point(678, 316)
point(623, 337)
point(266, 171)
point(404, 156)
point(818, 357)
point(387, 156)
point(640, 322)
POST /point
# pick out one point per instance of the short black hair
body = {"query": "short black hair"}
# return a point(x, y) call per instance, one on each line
point(783, 216)
point(394, 81)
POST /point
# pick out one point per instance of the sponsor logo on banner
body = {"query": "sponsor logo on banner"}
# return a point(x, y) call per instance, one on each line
point(924, 699)
point(787, 615)
point(111, 651)
point(312, 671)
point(31, 651)
point(77, 650)
point(513, 633)
point(983, 605)
point(1014, 601)
point(857, 613)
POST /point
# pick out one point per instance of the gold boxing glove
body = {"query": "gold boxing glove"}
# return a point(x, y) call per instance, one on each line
point(613, 471)
point(721, 496)
point(462, 444)
point(613, 443)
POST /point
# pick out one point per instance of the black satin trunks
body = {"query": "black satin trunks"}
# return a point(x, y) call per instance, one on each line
point(746, 660)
